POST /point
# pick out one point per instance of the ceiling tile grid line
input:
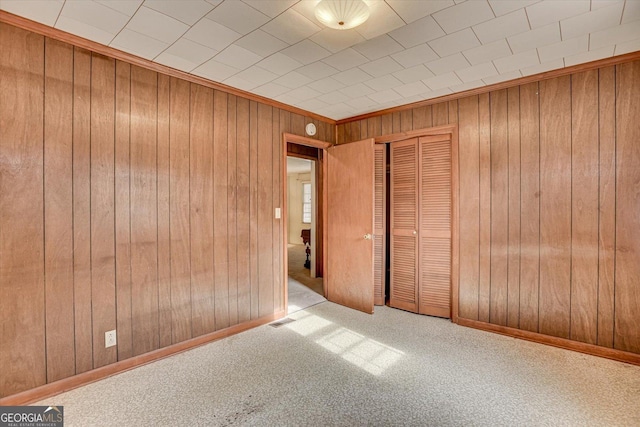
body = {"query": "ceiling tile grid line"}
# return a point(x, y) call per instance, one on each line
point(408, 50)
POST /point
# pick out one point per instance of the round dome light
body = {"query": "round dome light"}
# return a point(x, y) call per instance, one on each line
point(342, 14)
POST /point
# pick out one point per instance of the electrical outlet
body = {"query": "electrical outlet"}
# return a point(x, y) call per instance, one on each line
point(278, 214)
point(109, 339)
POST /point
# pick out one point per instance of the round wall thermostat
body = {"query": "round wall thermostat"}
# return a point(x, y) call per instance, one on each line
point(310, 129)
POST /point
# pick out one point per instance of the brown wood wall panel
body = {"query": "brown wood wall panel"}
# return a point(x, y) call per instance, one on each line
point(513, 247)
point(22, 292)
point(232, 208)
point(58, 209)
point(265, 209)
point(627, 290)
point(102, 206)
point(253, 204)
point(440, 113)
point(276, 259)
point(484, 140)
point(244, 252)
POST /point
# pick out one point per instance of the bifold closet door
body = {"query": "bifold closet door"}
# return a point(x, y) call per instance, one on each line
point(404, 223)
point(379, 220)
point(434, 165)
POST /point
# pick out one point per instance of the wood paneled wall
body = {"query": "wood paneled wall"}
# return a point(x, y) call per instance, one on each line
point(129, 200)
point(549, 202)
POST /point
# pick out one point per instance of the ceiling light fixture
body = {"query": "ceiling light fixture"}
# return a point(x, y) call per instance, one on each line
point(342, 14)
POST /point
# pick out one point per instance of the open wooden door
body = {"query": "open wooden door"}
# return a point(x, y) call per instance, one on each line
point(349, 228)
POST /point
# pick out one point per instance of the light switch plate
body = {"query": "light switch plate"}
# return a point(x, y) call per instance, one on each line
point(109, 339)
point(278, 214)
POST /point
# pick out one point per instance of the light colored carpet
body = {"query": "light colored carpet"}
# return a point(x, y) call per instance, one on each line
point(301, 297)
point(335, 366)
point(296, 258)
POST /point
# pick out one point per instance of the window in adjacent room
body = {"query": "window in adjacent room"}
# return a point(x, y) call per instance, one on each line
point(306, 202)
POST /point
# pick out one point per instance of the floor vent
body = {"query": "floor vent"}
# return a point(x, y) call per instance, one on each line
point(281, 322)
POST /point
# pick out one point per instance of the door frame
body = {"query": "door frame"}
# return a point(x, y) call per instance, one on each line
point(451, 129)
point(320, 145)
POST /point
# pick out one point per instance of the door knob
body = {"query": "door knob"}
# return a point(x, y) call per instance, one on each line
point(415, 232)
point(367, 236)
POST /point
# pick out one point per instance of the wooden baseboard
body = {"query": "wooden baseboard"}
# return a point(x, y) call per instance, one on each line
point(52, 389)
point(595, 350)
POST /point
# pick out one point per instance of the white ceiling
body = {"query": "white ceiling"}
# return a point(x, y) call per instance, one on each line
point(297, 165)
point(409, 50)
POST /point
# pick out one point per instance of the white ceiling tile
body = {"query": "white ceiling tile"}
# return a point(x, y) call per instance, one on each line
point(317, 70)
point(381, 66)
point(378, 47)
point(463, 15)
point(43, 11)
point(417, 32)
point(383, 83)
point(191, 52)
point(437, 93)
point(502, 7)
point(311, 104)
point(211, 34)
point(467, 86)
point(616, 35)
point(564, 48)
point(541, 68)
point(345, 59)
point(286, 99)
point(83, 30)
point(271, 8)
point(539, 37)
point(382, 19)
point(279, 64)
point(517, 61)
point(357, 90)
point(326, 85)
point(413, 74)
point(128, 7)
point(502, 27)
point(334, 97)
point(293, 80)
point(361, 103)
point(157, 25)
point(411, 11)
point(448, 63)
point(594, 55)
point(238, 16)
point(415, 55)
point(138, 44)
point(187, 11)
point(306, 52)
point(215, 71)
point(352, 76)
point(628, 47)
point(257, 75)
point(291, 27)
point(261, 43)
point(597, 4)
point(411, 89)
point(174, 61)
point(591, 22)
point(549, 11)
point(385, 96)
point(442, 81)
point(95, 15)
point(511, 75)
point(271, 90)
point(488, 52)
point(631, 11)
point(334, 41)
point(239, 83)
point(456, 42)
point(237, 57)
point(477, 72)
point(303, 93)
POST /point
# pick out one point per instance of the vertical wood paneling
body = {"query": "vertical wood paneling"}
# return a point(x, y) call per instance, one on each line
point(584, 207)
point(22, 303)
point(513, 270)
point(555, 206)
point(386, 124)
point(469, 207)
point(355, 131)
point(232, 203)
point(530, 196)
point(374, 126)
point(123, 211)
point(406, 120)
point(58, 209)
point(396, 118)
point(276, 147)
point(265, 209)
point(453, 111)
point(81, 210)
point(102, 206)
point(297, 124)
point(421, 117)
point(364, 129)
point(627, 291)
point(144, 210)
point(164, 237)
point(484, 281)
point(606, 204)
point(244, 252)
point(440, 113)
point(341, 130)
point(220, 213)
point(499, 207)
point(253, 201)
point(179, 214)
point(201, 188)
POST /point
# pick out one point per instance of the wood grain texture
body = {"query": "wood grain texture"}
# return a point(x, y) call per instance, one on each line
point(386, 124)
point(58, 209)
point(513, 267)
point(406, 121)
point(421, 117)
point(380, 222)
point(627, 291)
point(22, 287)
point(484, 280)
point(555, 206)
point(396, 118)
point(440, 112)
point(276, 200)
point(232, 209)
point(102, 207)
point(265, 209)
point(244, 253)
point(584, 207)
point(253, 204)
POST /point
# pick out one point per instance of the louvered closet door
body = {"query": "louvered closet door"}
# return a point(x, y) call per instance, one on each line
point(379, 219)
point(435, 226)
point(404, 223)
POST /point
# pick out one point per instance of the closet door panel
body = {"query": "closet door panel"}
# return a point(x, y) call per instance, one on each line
point(379, 264)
